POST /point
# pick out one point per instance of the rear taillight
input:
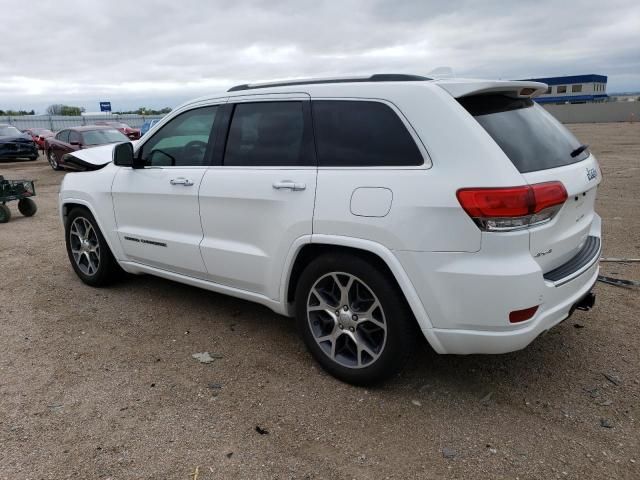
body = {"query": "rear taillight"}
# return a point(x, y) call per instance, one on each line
point(512, 208)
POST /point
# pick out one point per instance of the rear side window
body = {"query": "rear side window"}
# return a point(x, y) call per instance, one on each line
point(266, 134)
point(63, 136)
point(530, 136)
point(361, 134)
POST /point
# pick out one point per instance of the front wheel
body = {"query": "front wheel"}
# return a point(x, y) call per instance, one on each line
point(88, 251)
point(354, 319)
point(53, 160)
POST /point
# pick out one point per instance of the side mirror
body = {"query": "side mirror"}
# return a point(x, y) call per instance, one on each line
point(76, 144)
point(123, 156)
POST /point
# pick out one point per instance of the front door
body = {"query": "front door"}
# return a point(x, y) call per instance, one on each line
point(260, 199)
point(156, 207)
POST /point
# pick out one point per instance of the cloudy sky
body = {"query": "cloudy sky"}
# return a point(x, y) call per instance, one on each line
point(159, 53)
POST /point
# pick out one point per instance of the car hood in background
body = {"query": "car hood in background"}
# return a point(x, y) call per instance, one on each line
point(14, 139)
point(92, 158)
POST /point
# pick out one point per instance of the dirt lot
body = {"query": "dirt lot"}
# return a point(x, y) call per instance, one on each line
point(98, 384)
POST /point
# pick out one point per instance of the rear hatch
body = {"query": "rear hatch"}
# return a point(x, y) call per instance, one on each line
point(543, 150)
point(17, 144)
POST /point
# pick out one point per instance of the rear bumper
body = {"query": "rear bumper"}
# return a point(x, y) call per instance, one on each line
point(468, 296)
point(566, 297)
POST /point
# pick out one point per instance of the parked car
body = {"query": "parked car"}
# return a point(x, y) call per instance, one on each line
point(146, 126)
point(14, 144)
point(77, 138)
point(371, 209)
point(131, 133)
point(39, 135)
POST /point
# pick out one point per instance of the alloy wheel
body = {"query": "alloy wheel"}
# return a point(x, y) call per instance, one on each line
point(346, 320)
point(85, 246)
point(53, 161)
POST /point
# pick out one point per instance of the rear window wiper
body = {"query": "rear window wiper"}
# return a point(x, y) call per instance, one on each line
point(579, 150)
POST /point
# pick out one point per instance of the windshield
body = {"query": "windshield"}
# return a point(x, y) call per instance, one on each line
point(8, 131)
point(529, 135)
point(100, 137)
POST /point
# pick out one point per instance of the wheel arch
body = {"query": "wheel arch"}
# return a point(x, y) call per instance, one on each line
point(375, 253)
point(68, 204)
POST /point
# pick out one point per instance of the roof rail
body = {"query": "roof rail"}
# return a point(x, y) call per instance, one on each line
point(378, 77)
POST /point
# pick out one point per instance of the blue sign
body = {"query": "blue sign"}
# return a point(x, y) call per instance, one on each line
point(105, 106)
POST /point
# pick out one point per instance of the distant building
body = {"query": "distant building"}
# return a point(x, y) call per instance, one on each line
point(573, 89)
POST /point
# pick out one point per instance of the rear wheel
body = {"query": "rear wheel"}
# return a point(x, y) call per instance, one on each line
point(53, 160)
point(33, 158)
point(27, 207)
point(354, 319)
point(5, 213)
point(88, 251)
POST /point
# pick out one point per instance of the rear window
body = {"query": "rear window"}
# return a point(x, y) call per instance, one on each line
point(101, 137)
point(530, 136)
point(9, 131)
point(63, 136)
point(351, 133)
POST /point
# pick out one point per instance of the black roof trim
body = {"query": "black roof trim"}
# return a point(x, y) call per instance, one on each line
point(378, 77)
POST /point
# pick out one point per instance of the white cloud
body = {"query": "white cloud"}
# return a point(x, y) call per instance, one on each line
point(162, 52)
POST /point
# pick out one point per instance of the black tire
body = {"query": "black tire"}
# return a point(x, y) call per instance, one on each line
point(5, 213)
point(52, 158)
point(107, 270)
point(401, 331)
point(33, 158)
point(27, 207)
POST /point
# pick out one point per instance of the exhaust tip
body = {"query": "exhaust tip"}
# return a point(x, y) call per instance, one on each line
point(587, 302)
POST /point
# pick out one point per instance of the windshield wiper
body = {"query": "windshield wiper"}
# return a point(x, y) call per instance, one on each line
point(579, 150)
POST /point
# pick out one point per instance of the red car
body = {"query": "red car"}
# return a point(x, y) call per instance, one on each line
point(76, 138)
point(132, 133)
point(39, 135)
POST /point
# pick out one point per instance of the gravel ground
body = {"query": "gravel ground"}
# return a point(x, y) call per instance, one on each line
point(101, 384)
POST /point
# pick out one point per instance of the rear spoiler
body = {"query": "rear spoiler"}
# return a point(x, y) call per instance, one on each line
point(463, 88)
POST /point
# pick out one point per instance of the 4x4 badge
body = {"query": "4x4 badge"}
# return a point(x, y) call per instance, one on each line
point(592, 173)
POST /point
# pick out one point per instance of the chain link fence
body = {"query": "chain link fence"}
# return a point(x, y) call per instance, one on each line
point(55, 122)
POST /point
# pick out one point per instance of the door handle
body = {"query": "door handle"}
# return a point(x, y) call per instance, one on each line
point(181, 181)
point(289, 185)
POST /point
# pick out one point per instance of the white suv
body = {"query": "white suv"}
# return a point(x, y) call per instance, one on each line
point(364, 207)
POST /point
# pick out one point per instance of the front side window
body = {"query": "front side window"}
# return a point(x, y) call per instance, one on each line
point(362, 134)
point(266, 134)
point(562, 89)
point(183, 141)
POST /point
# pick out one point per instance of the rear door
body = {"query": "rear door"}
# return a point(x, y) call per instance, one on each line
point(543, 150)
point(156, 207)
point(259, 198)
